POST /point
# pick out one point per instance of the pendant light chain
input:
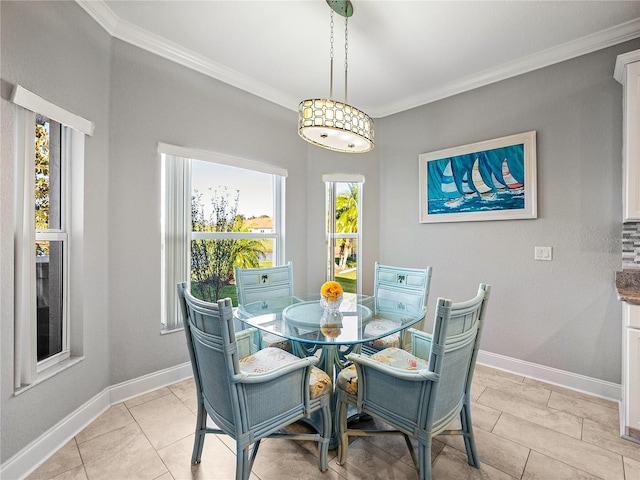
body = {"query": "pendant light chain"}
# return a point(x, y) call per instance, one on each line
point(336, 125)
point(346, 63)
point(331, 57)
point(346, 58)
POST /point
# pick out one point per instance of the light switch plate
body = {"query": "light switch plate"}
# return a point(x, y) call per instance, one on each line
point(543, 253)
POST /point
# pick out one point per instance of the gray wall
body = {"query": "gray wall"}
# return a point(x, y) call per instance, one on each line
point(55, 50)
point(564, 313)
point(561, 313)
point(154, 100)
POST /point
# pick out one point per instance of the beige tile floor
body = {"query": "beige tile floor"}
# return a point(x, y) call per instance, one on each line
point(524, 429)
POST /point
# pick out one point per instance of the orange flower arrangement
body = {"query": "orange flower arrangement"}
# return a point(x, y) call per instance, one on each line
point(331, 291)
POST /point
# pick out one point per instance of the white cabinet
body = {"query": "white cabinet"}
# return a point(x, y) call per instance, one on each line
point(627, 72)
point(631, 371)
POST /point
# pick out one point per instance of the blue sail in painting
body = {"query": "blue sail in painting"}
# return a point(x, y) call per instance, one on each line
point(449, 188)
point(480, 181)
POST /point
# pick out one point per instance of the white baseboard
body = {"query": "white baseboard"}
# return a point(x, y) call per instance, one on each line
point(572, 381)
point(34, 454)
point(138, 386)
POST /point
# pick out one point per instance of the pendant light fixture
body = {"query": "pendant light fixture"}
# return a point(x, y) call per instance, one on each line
point(336, 125)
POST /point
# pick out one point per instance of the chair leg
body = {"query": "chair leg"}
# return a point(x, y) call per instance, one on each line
point(424, 457)
point(201, 426)
point(243, 464)
point(467, 433)
point(343, 445)
point(325, 437)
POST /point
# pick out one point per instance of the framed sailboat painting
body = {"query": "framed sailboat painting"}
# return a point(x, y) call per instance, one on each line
point(489, 180)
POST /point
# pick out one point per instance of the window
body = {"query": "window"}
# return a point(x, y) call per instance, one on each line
point(344, 229)
point(218, 212)
point(48, 235)
point(51, 240)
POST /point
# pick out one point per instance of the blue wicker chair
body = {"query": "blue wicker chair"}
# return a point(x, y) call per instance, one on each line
point(265, 284)
point(255, 284)
point(419, 394)
point(396, 290)
point(249, 395)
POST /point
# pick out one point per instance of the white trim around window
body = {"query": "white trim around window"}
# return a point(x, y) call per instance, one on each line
point(175, 234)
point(34, 103)
point(184, 152)
point(331, 181)
point(27, 371)
point(343, 177)
point(176, 219)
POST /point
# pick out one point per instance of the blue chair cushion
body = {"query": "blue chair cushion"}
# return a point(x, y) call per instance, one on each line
point(393, 357)
point(270, 358)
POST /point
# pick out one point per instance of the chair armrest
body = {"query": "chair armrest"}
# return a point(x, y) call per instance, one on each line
point(411, 375)
point(420, 343)
point(245, 343)
point(276, 373)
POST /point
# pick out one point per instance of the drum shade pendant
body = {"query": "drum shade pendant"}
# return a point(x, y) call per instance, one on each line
point(336, 125)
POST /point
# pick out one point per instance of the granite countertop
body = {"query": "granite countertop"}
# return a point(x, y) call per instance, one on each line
point(628, 286)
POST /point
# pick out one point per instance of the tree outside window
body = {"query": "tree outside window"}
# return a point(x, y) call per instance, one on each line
point(343, 233)
point(212, 261)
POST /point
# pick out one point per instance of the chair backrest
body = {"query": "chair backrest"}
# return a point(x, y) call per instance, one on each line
point(456, 340)
point(214, 356)
point(255, 284)
point(397, 288)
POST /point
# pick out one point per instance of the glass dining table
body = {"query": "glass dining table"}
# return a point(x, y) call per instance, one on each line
point(301, 319)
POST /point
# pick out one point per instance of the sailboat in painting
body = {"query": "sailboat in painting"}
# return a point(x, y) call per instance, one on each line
point(514, 185)
point(478, 183)
point(466, 188)
point(449, 188)
point(498, 185)
point(484, 190)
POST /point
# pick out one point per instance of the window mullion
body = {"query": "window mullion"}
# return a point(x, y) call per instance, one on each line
point(335, 235)
point(52, 235)
point(230, 235)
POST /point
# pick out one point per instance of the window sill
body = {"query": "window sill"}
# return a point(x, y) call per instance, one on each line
point(167, 332)
point(50, 372)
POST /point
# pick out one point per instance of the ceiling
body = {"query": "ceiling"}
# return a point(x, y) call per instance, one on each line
point(402, 54)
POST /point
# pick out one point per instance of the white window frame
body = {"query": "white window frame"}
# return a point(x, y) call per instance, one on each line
point(27, 370)
point(176, 220)
point(330, 181)
point(60, 235)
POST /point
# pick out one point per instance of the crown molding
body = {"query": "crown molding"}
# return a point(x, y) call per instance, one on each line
point(150, 42)
point(101, 13)
point(582, 46)
point(130, 33)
